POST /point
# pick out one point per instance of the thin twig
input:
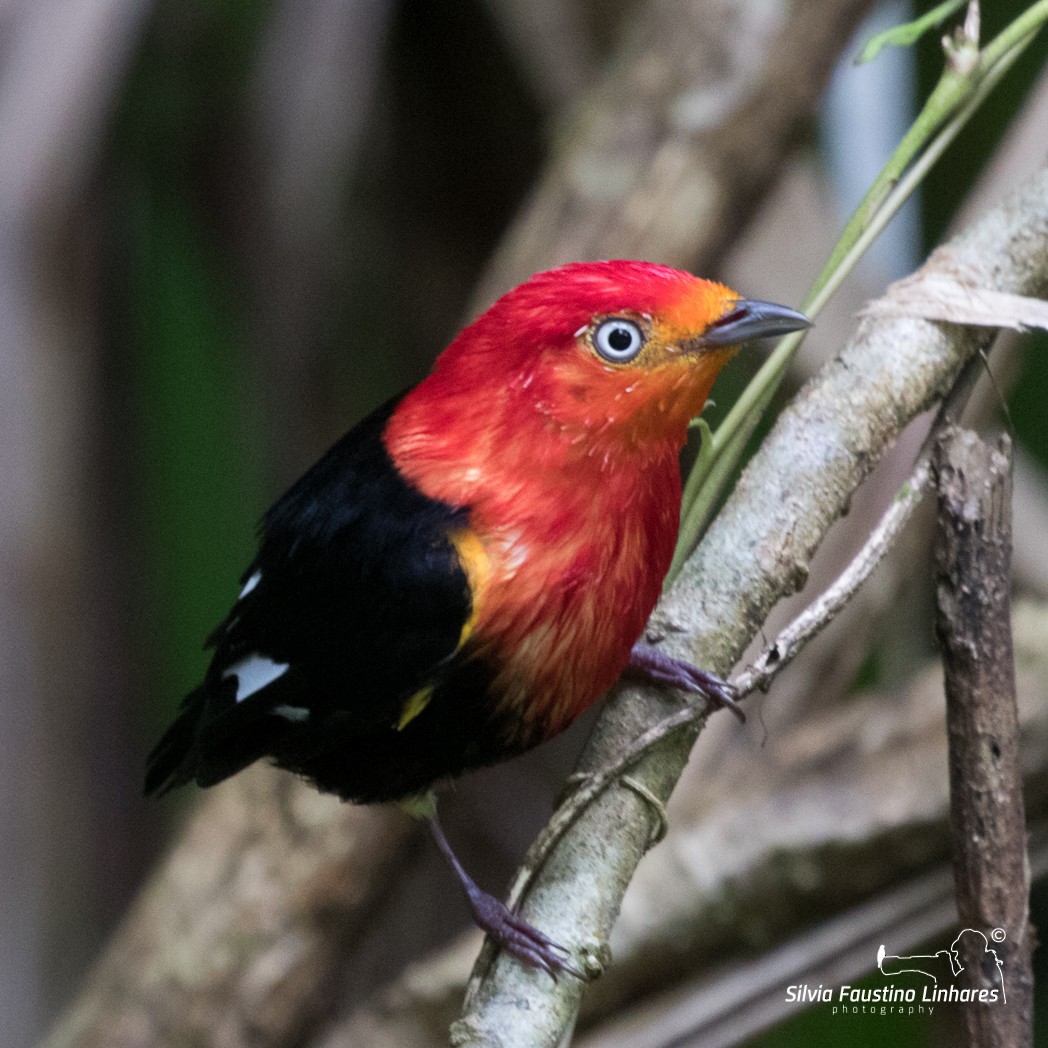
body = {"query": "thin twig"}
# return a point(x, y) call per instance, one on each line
point(824, 609)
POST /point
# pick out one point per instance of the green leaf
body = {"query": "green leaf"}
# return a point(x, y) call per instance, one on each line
point(909, 33)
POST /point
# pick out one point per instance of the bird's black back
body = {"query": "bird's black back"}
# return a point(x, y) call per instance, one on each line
point(360, 594)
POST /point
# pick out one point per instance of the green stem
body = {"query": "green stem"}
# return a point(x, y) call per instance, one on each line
point(1020, 32)
point(958, 94)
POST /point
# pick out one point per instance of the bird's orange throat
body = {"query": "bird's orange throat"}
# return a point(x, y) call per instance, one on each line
point(634, 414)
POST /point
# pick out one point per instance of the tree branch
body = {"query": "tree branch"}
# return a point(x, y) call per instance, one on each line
point(669, 154)
point(237, 938)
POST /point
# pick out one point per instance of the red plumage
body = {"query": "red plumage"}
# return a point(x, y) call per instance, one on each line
point(569, 467)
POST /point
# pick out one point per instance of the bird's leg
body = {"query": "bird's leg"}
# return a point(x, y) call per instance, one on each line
point(650, 666)
point(511, 932)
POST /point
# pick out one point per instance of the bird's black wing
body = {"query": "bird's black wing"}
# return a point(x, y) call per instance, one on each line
point(354, 603)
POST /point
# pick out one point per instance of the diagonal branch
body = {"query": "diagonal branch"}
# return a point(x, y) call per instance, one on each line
point(776, 656)
point(756, 552)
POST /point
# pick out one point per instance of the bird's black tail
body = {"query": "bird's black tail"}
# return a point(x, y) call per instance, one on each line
point(173, 761)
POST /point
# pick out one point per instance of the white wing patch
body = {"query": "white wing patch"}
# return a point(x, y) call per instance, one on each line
point(291, 713)
point(251, 583)
point(253, 673)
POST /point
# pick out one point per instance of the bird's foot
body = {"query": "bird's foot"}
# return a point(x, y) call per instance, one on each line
point(492, 916)
point(516, 936)
point(651, 666)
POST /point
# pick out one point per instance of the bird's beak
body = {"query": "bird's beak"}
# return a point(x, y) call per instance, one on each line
point(750, 318)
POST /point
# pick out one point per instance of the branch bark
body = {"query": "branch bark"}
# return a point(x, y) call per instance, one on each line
point(974, 624)
point(237, 938)
point(756, 552)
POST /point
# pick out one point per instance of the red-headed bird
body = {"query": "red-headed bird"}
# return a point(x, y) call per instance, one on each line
point(469, 568)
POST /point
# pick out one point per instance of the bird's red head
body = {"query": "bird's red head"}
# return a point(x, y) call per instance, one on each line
point(617, 347)
point(610, 358)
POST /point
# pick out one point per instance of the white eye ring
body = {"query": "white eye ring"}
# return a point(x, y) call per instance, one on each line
point(618, 340)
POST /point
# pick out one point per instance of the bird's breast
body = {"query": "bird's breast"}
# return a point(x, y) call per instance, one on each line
point(561, 595)
point(567, 543)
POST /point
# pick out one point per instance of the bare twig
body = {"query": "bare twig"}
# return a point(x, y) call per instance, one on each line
point(991, 866)
point(825, 608)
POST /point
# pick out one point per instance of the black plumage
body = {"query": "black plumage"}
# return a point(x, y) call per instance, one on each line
point(361, 595)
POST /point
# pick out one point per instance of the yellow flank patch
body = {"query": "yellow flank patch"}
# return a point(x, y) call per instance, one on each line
point(477, 565)
point(414, 706)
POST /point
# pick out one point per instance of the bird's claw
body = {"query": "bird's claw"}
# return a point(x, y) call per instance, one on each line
point(651, 666)
point(519, 938)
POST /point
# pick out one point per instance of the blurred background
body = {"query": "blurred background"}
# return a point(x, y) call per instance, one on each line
point(228, 230)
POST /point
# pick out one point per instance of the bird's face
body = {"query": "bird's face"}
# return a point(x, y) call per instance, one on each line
point(597, 359)
point(626, 350)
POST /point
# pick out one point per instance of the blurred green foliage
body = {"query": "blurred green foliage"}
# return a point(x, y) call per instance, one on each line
point(200, 490)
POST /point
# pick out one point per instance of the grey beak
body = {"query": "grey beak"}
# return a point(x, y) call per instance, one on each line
point(750, 318)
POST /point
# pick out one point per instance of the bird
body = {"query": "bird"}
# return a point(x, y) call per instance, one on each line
point(469, 568)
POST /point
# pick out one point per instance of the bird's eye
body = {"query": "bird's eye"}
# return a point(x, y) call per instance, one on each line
point(618, 340)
